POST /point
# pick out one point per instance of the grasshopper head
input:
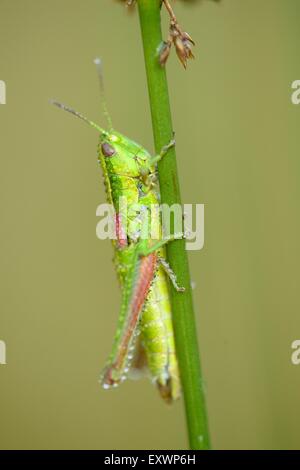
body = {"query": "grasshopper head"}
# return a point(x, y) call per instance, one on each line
point(122, 156)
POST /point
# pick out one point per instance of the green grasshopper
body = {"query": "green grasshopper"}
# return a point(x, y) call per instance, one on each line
point(144, 334)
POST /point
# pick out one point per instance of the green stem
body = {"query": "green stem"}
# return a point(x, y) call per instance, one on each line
point(182, 303)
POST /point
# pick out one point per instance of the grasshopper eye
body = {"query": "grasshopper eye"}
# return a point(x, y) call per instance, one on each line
point(107, 150)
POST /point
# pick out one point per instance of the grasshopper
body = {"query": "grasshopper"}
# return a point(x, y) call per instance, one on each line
point(144, 334)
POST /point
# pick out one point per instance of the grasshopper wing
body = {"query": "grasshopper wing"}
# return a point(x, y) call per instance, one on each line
point(134, 293)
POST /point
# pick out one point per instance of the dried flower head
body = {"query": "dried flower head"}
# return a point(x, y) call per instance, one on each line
point(182, 41)
point(165, 52)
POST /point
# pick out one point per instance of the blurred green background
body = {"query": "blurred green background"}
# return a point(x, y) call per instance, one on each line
point(238, 151)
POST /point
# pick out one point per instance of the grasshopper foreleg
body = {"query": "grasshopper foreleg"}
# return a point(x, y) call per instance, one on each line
point(163, 152)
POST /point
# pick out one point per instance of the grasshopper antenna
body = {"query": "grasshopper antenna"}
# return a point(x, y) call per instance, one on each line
point(99, 68)
point(79, 115)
